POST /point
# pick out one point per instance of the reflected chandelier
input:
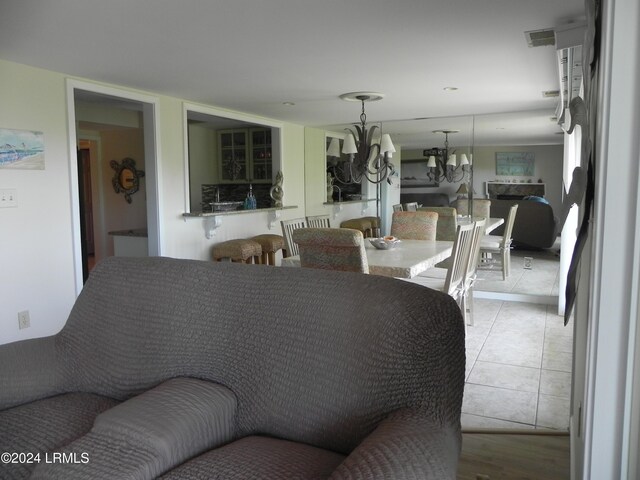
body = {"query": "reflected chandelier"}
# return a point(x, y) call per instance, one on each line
point(368, 157)
point(442, 165)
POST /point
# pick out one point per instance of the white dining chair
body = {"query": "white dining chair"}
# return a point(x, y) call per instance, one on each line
point(454, 281)
point(496, 249)
point(288, 226)
point(318, 221)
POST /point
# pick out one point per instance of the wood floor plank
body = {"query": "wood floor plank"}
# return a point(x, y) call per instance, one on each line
point(494, 456)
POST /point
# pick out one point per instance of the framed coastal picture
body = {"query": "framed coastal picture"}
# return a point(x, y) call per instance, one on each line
point(21, 149)
point(515, 164)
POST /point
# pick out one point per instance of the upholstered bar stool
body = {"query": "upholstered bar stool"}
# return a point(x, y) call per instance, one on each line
point(375, 225)
point(270, 244)
point(362, 224)
point(241, 250)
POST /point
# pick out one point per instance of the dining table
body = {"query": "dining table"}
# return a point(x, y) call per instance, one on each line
point(492, 222)
point(406, 259)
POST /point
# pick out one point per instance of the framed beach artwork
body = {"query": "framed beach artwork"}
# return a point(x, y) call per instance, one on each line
point(21, 149)
point(515, 163)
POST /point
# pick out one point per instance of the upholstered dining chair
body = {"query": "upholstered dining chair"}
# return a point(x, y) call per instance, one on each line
point(332, 249)
point(496, 250)
point(411, 207)
point(481, 207)
point(319, 221)
point(447, 222)
point(414, 225)
point(453, 283)
point(288, 226)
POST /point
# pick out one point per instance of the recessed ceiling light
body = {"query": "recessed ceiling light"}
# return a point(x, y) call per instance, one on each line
point(450, 89)
point(288, 104)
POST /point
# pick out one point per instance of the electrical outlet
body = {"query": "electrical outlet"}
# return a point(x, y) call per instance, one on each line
point(24, 321)
point(8, 198)
point(528, 263)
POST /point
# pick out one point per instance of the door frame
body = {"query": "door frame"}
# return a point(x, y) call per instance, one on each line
point(150, 107)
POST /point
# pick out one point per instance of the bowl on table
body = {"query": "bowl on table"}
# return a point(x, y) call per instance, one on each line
point(384, 243)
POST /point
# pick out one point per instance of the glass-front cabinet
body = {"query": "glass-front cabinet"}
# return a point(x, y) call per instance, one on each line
point(245, 155)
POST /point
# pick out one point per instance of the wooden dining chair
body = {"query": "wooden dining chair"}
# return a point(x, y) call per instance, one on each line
point(332, 249)
point(288, 227)
point(319, 221)
point(496, 249)
point(414, 225)
point(454, 281)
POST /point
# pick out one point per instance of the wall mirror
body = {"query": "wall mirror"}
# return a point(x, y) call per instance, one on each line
point(225, 156)
point(126, 178)
point(338, 178)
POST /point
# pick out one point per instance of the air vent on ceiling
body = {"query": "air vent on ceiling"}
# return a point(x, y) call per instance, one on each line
point(540, 38)
point(551, 93)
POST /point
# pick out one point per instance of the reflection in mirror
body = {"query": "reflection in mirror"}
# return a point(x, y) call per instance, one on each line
point(227, 158)
point(421, 177)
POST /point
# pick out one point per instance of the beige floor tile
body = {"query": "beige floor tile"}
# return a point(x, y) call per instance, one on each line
point(557, 361)
point(524, 379)
point(553, 412)
point(513, 348)
point(500, 403)
point(558, 343)
point(553, 382)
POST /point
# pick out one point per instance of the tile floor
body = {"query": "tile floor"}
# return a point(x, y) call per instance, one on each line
point(518, 353)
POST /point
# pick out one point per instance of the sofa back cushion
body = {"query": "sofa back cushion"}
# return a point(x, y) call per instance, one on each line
point(535, 225)
point(311, 355)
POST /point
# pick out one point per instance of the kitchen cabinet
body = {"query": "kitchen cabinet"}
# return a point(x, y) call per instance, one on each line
point(245, 155)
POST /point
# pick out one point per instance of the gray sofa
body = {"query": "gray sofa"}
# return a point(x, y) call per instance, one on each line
point(185, 369)
point(535, 226)
point(426, 199)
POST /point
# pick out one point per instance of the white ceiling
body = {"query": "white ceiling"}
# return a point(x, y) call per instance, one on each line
point(252, 56)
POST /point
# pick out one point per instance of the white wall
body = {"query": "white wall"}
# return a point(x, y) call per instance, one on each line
point(36, 255)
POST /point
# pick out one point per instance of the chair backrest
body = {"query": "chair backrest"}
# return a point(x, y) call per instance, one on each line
point(474, 257)
point(398, 207)
point(318, 221)
point(456, 274)
point(332, 249)
point(508, 226)
point(288, 226)
point(481, 207)
point(447, 222)
point(414, 225)
point(411, 207)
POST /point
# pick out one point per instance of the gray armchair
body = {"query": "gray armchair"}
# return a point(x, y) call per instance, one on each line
point(193, 369)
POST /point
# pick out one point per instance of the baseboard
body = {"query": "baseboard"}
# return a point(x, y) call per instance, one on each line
point(517, 297)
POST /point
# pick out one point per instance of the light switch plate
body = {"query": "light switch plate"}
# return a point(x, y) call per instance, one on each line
point(8, 198)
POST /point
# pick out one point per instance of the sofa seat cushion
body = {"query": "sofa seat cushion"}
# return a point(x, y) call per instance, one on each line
point(151, 433)
point(257, 457)
point(45, 425)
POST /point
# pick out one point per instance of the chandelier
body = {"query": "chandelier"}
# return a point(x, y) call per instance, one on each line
point(443, 165)
point(369, 154)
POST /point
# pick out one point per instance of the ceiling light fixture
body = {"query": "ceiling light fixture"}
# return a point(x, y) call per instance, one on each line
point(442, 165)
point(369, 152)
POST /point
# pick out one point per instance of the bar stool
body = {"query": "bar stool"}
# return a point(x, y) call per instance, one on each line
point(375, 225)
point(240, 250)
point(270, 244)
point(362, 224)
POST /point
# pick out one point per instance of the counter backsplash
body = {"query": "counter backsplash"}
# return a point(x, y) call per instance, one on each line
point(236, 193)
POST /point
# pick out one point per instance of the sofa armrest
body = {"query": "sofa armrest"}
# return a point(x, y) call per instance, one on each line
point(151, 433)
point(29, 370)
point(407, 445)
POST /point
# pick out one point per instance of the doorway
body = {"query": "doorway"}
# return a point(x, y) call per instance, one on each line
point(118, 125)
